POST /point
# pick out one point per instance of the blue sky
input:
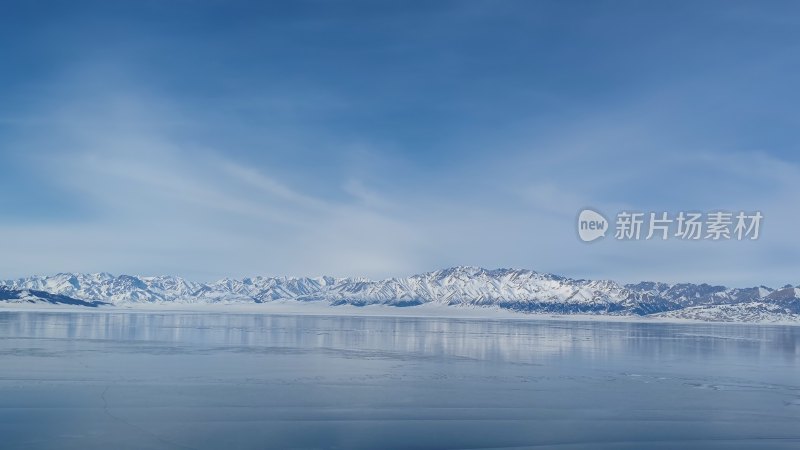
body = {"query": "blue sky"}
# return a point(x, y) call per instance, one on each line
point(212, 139)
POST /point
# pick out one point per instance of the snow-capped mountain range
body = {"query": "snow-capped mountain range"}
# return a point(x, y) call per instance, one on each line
point(34, 296)
point(513, 289)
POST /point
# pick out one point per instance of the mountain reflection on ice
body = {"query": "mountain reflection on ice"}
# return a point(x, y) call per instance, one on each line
point(193, 380)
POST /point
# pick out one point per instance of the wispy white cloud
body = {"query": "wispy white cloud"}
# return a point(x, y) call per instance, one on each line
point(162, 204)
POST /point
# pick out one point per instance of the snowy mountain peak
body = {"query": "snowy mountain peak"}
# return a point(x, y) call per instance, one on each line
point(516, 289)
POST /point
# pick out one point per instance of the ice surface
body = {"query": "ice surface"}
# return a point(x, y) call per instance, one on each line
point(206, 381)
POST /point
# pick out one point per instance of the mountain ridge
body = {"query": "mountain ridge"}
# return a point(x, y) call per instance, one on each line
point(520, 290)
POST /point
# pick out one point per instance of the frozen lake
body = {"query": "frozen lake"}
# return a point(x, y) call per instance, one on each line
point(118, 380)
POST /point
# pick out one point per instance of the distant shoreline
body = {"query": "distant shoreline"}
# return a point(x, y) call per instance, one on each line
point(324, 309)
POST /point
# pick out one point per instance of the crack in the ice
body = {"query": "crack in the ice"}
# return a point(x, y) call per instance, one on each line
point(137, 427)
